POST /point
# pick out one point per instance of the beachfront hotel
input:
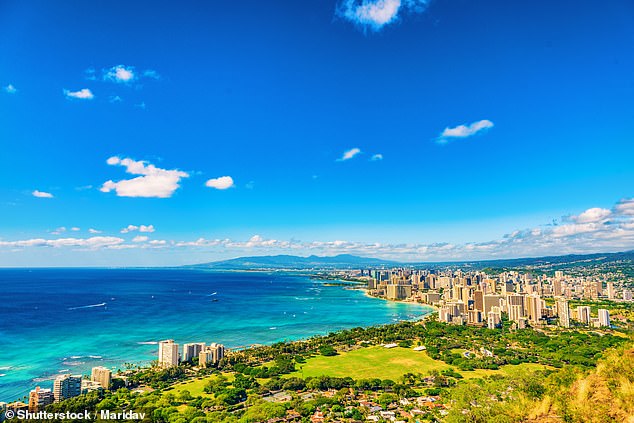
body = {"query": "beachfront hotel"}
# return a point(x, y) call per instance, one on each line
point(66, 386)
point(40, 398)
point(192, 350)
point(211, 354)
point(168, 353)
point(101, 375)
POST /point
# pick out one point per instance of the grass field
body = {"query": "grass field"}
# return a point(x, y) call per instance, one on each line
point(196, 386)
point(364, 363)
point(384, 363)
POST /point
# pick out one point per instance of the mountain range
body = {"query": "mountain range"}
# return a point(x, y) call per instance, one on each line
point(347, 261)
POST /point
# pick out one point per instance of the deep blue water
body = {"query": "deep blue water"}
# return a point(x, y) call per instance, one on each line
point(69, 320)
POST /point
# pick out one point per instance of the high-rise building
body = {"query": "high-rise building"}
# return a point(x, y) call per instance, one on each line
point(488, 286)
point(211, 354)
point(494, 318)
point(66, 386)
point(627, 294)
point(398, 291)
point(563, 311)
point(559, 274)
point(40, 398)
point(534, 308)
point(474, 316)
point(168, 353)
point(592, 290)
point(515, 299)
point(604, 317)
point(192, 350)
point(372, 283)
point(430, 281)
point(431, 297)
point(583, 314)
point(478, 300)
point(611, 293)
point(557, 288)
point(516, 312)
point(465, 295)
point(490, 300)
point(102, 375)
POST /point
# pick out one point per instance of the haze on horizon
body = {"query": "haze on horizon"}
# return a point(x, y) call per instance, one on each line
point(140, 134)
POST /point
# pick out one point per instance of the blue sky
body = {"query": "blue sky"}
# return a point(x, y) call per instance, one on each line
point(447, 129)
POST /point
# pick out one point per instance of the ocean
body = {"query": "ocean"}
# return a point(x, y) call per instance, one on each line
point(55, 321)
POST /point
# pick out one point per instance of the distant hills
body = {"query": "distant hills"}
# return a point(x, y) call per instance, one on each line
point(347, 261)
point(341, 261)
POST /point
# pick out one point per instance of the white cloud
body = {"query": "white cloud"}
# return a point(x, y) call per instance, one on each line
point(59, 230)
point(120, 74)
point(41, 194)
point(592, 215)
point(10, 89)
point(376, 157)
point(625, 207)
point(140, 228)
point(575, 229)
point(464, 131)
point(95, 242)
point(75, 229)
point(375, 14)
point(83, 94)
point(592, 230)
point(153, 182)
point(115, 99)
point(349, 154)
point(223, 182)
point(129, 228)
point(149, 228)
point(94, 231)
point(588, 232)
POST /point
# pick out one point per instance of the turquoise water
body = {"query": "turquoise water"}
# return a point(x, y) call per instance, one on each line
point(68, 320)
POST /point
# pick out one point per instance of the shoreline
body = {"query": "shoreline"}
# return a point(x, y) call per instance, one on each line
point(47, 378)
point(367, 294)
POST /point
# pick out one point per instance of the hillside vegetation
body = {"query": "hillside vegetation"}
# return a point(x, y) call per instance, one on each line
point(603, 394)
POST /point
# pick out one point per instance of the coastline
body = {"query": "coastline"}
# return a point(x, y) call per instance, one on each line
point(367, 294)
point(330, 300)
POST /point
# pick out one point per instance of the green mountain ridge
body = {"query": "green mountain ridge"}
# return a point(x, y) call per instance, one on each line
point(348, 261)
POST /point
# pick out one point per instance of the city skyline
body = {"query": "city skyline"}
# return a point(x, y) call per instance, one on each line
point(409, 130)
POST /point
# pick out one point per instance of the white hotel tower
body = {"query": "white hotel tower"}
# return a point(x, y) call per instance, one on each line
point(168, 353)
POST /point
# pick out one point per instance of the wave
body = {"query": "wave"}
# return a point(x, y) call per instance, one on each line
point(95, 357)
point(88, 306)
point(5, 368)
point(43, 379)
point(273, 328)
point(63, 371)
point(148, 343)
point(2, 374)
point(73, 363)
point(212, 294)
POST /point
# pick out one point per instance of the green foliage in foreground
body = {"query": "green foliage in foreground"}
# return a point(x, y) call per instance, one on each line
point(605, 394)
point(529, 394)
